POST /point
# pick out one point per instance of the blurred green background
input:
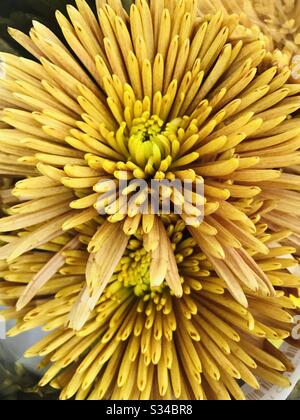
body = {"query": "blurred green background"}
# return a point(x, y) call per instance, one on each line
point(20, 13)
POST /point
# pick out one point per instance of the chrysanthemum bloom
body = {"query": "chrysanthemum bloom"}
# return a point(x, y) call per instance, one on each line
point(159, 94)
point(279, 20)
point(140, 343)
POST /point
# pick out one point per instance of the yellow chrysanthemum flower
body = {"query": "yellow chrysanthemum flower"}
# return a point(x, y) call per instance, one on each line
point(141, 343)
point(160, 94)
point(279, 20)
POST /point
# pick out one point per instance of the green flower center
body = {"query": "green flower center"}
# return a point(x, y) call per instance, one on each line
point(150, 143)
point(135, 272)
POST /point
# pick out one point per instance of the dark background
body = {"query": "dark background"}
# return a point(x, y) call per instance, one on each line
point(20, 13)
